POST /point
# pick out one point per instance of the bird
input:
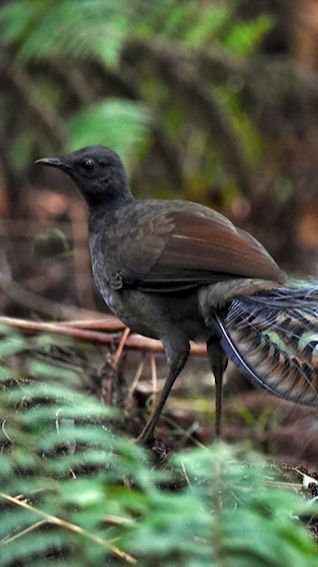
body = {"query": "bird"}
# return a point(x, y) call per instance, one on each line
point(179, 271)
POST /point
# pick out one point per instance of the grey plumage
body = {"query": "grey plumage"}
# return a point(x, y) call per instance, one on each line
point(178, 271)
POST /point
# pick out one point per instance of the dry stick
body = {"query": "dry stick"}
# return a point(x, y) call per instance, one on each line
point(135, 382)
point(50, 519)
point(14, 537)
point(105, 323)
point(137, 342)
point(120, 349)
point(154, 380)
point(113, 377)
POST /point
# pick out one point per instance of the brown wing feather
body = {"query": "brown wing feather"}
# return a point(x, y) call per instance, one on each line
point(185, 245)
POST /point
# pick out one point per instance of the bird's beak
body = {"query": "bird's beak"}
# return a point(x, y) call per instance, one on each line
point(58, 162)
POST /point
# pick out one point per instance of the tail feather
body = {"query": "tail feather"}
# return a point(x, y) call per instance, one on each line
point(273, 337)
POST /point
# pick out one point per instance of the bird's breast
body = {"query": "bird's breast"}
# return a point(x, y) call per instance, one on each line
point(150, 314)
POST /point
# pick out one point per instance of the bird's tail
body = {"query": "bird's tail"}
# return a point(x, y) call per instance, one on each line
point(273, 337)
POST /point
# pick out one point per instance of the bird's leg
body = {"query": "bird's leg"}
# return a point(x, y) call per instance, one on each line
point(218, 362)
point(176, 361)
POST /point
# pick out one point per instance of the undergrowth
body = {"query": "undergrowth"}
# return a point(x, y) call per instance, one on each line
point(75, 493)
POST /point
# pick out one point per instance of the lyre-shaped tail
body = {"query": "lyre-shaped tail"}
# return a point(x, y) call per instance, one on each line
point(273, 337)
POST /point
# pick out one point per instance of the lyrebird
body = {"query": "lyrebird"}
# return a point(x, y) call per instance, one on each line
point(178, 271)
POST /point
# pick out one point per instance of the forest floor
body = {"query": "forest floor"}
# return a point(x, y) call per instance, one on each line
point(46, 277)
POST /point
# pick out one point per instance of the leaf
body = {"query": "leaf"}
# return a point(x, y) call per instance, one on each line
point(244, 37)
point(119, 124)
point(73, 28)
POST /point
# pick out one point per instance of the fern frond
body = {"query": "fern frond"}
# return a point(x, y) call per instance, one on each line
point(121, 125)
point(74, 492)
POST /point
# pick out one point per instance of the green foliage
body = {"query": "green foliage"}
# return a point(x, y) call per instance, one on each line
point(250, 137)
point(74, 28)
point(243, 37)
point(73, 492)
point(187, 22)
point(89, 37)
point(198, 24)
point(120, 124)
point(99, 28)
point(77, 31)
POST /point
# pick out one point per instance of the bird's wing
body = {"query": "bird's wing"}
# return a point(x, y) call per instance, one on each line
point(183, 245)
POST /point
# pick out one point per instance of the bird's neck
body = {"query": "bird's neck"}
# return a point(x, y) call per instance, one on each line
point(102, 213)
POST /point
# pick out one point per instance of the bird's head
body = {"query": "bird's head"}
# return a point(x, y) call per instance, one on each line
point(98, 173)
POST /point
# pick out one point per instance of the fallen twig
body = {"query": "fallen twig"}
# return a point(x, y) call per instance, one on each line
point(74, 528)
point(79, 330)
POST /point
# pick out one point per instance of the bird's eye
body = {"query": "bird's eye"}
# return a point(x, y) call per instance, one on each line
point(88, 163)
